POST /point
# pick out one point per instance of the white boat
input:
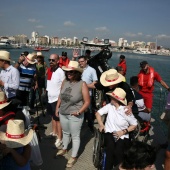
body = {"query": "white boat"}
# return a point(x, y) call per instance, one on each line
point(143, 51)
point(4, 44)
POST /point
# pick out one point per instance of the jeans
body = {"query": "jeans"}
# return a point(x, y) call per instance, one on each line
point(71, 126)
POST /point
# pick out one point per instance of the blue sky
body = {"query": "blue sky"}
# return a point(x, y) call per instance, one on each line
point(143, 20)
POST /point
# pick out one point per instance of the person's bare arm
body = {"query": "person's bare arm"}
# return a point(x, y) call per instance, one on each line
point(100, 122)
point(165, 85)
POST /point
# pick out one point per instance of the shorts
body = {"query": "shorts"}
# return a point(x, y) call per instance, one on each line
point(41, 82)
point(148, 99)
point(51, 110)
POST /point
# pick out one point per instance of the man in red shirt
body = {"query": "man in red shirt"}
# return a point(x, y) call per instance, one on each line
point(64, 60)
point(146, 78)
point(122, 63)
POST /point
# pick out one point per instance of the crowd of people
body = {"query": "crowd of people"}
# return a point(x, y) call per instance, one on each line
point(68, 85)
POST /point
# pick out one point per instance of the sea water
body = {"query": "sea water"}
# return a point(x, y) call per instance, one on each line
point(161, 64)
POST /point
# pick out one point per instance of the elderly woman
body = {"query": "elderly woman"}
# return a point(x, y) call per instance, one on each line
point(116, 128)
point(74, 99)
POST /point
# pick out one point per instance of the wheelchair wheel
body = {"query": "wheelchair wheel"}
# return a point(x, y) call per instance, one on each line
point(135, 134)
point(98, 142)
point(102, 162)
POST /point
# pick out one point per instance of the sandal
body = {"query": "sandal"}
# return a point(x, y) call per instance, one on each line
point(71, 162)
point(61, 152)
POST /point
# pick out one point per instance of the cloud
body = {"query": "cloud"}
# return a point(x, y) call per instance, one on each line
point(104, 29)
point(163, 36)
point(33, 20)
point(39, 26)
point(68, 23)
point(140, 33)
point(148, 35)
point(128, 34)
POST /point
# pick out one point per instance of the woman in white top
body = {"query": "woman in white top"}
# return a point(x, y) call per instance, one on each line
point(117, 127)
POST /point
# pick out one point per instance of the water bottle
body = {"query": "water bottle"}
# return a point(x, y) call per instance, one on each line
point(115, 137)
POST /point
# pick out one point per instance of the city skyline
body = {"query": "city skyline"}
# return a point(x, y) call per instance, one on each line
point(132, 20)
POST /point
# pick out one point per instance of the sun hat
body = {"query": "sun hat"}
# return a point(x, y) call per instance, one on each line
point(3, 101)
point(118, 94)
point(111, 77)
point(31, 58)
point(73, 65)
point(143, 64)
point(16, 136)
point(5, 55)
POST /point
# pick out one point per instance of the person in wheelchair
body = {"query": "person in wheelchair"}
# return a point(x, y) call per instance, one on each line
point(139, 109)
point(116, 128)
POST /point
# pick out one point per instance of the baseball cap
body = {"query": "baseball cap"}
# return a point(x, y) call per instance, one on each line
point(64, 53)
point(143, 63)
point(25, 53)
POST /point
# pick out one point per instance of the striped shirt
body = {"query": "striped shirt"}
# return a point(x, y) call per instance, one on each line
point(26, 76)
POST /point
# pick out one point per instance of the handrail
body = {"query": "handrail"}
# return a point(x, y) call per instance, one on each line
point(159, 101)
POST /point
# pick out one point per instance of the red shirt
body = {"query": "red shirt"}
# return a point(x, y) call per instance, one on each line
point(63, 62)
point(145, 88)
point(123, 65)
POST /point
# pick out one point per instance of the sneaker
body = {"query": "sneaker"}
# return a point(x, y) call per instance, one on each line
point(61, 152)
point(71, 162)
point(58, 143)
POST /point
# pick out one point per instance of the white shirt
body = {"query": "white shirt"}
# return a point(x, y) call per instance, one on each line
point(54, 85)
point(10, 77)
point(117, 119)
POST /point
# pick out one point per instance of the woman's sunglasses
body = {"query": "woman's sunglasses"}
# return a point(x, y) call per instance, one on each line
point(70, 72)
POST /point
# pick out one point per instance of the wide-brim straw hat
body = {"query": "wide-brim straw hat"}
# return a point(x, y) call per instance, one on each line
point(5, 55)
point(15, 135)
point(39, 53)
point(31, 58)
point(118, 94)
point(111, 77)
point(3, 101)
point(73, 65)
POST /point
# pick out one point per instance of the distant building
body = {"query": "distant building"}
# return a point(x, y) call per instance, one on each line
point(21, 39)
point(152, 45)
point(54, 41)
point(34, 37)
point(42, 40)
point(121, 42)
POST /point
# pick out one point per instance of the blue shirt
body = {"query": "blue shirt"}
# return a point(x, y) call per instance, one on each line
point(10, 77)
point(89, 75)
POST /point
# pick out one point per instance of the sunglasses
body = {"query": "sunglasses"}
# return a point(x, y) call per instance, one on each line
point(70, 72)
point(51, 60)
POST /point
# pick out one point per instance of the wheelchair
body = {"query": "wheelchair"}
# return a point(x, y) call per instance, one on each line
point(141, 133)
point(99, 155)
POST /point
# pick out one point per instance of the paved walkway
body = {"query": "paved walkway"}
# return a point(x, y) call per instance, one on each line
point(85, 154)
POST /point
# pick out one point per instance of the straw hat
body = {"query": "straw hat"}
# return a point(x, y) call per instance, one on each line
point(15, 135)
point(31, 58)
point(5, 55)
point(3, 101)
point(73, 65)
point(118, 94)
point(111, 77)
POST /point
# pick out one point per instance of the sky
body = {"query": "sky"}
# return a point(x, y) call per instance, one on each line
point(133, 20)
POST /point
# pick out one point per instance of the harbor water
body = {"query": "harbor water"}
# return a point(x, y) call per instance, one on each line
point(160, 63)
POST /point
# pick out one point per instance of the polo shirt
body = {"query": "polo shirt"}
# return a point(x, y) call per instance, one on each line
point(10, 77)
point(54, 83)
point(116, 119)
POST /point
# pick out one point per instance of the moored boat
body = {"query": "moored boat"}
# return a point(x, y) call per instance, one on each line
point(41, 49)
